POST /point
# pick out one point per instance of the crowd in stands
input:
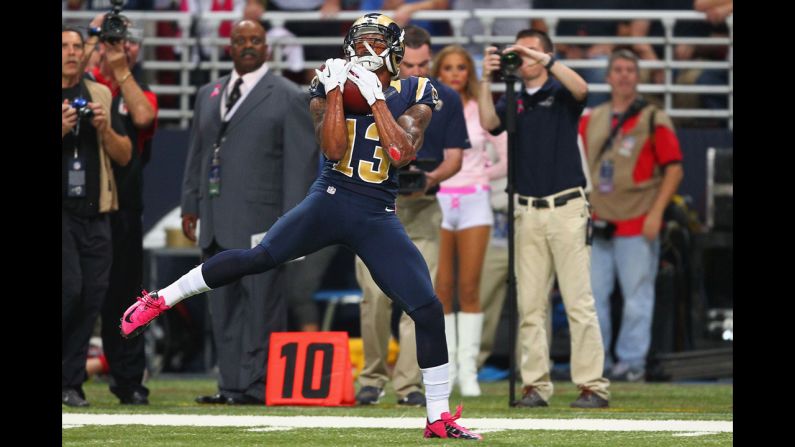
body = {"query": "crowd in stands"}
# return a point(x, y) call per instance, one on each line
point(298, 60)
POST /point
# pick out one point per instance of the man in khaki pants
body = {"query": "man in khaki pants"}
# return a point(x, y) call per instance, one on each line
point(552, 217)
point(420, 214)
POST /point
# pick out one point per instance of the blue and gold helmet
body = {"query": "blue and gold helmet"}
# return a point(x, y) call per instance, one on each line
point(375, 23)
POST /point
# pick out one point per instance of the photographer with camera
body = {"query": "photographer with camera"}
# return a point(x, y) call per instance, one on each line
point(552, 219)
point(636, 163)
point(116, 66)
point(438, 159)
point(108, 27)
point(91, 138)
point(136, 106)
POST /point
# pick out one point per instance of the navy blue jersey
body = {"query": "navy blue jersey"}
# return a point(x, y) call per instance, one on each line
point(448, 127)
point(547, 157)
point(365, 166)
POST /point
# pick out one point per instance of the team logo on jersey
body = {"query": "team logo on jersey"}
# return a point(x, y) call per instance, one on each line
point(547, 102)
point(437, 103)
point(331, 190)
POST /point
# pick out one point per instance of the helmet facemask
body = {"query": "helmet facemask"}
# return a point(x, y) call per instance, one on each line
point(373, 61)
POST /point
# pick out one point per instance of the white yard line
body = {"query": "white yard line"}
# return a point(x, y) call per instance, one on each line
point(72, 419)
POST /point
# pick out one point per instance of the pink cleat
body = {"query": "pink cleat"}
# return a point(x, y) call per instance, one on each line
point(447, 428)
point(138, 316)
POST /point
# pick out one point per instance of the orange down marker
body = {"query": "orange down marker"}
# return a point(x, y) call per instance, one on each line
point(309, 368)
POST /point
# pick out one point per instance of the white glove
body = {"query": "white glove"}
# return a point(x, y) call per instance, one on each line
point(334, 74)
point(368, 83)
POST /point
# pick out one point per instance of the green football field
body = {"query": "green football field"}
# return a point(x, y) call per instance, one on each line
point(651, 414)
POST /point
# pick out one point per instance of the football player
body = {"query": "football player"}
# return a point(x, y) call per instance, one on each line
point(351, 203)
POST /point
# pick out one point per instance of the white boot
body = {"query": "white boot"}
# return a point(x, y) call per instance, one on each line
point(470, 326)
point(449, 333)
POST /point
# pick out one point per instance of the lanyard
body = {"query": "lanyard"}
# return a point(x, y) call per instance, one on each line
point(76, 129)
point(215, 163)
point(633, 109)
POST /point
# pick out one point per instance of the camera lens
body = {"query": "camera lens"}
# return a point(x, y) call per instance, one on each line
point(114, 27)
point(510, 61)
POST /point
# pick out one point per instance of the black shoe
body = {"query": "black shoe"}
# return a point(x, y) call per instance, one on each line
point(72, 398)
point(531, 398)
point(244, 399)
point(217, 398)
point(134, 398)
point(368, 395)
point(589, 399)
point(413, 399)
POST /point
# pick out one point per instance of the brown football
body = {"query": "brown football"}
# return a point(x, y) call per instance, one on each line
point(352, 100)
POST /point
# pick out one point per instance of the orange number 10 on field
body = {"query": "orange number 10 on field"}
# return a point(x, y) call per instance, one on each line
point(309, 368)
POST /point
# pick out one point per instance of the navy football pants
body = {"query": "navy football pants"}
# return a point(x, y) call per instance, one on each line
point(364, 225)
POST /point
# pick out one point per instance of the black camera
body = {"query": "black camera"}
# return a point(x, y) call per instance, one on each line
point(83, 111)
point(114, 26)
point(509, 63)
point(413, 180)
point(603, 229)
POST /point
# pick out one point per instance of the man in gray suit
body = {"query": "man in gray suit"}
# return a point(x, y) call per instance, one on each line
point(252, 157)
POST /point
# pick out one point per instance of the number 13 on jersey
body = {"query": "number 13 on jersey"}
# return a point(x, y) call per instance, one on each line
point(365, 169)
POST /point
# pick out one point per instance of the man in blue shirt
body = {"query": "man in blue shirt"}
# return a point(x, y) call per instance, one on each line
point(552, 217)
point(420, 213)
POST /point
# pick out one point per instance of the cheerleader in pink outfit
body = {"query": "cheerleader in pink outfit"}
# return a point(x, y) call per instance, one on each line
point(466, 222)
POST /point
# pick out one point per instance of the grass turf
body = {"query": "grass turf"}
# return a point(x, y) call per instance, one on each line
point(653, 401)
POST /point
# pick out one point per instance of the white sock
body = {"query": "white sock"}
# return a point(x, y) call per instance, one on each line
point(437, 390)
point(191, 283)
